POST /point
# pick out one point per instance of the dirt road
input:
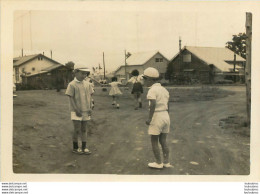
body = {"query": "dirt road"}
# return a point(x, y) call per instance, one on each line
point(119, 140)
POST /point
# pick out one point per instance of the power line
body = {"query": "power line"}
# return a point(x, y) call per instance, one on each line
point(31, 29)
point(22, 33)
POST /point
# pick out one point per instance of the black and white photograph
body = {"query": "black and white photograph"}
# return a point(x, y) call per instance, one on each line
point(150, 88)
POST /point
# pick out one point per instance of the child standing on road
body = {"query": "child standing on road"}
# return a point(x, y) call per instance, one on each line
point(158, 120)
point(137, 88)
point(79, 92)
point(115, 91)
point(93, 90)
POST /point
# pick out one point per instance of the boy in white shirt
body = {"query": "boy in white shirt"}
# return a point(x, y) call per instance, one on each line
point(79, 91)
point(158, 120)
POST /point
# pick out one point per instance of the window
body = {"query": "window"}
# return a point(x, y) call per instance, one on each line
point(187, 58)
point(158, 60)
point(33, 69)
point(39, 58)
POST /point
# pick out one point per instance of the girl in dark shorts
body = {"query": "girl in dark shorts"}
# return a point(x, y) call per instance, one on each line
point(137, 89)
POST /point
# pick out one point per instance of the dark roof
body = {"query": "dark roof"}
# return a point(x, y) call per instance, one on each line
point(21, 60)
point(53, 67)
point(47, 70)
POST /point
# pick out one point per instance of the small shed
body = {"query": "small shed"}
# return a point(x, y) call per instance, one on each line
point(55, 77)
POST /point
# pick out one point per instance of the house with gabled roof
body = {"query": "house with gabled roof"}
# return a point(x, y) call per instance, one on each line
point(31, 64)
point(140, 61)
point(40, 72)
point(206, 65)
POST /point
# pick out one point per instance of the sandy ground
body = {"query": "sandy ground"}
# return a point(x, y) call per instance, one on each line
point(118, 139)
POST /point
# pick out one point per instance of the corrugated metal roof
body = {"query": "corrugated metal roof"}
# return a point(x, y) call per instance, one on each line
point(138, 59)
point(216, 56)
point(52, 67)
point(36, 74)
point(46, 70)
point(123, 66)
point(21, 60)
point(141, 58)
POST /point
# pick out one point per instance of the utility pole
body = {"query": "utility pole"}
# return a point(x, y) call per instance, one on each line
point(180, 58)
point(248, 64)
point(125, 67)
point(180, 51)
point(104, 66)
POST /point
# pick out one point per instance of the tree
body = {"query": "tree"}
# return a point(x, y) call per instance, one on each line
point(70, 65)
point(238, 44)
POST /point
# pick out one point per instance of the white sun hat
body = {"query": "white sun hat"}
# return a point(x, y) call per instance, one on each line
point(151, 72)
point(81, 67)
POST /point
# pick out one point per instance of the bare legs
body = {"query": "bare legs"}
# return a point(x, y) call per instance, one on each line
point(80, 128)
point(115, 101)
point(137, 100)
point(165, 149)
point(162, 139)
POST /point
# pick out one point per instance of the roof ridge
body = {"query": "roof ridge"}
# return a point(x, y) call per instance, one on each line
point(205, 47)
point(151, 51)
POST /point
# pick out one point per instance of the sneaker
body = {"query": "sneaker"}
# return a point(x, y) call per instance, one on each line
point(117, 106)
point(77, 151)
point(167, 165)
point(86, 151)
point(155, 165)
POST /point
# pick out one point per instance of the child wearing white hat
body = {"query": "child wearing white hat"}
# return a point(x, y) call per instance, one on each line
point(159, 120)
point(79, 91)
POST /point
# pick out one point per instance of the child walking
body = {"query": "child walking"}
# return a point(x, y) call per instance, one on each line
point(79, 91)
point(115, 91)
point(137, 88)
point(158, 120)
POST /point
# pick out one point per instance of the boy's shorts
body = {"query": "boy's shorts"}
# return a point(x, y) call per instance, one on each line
point(85, 116)
point(160, 123)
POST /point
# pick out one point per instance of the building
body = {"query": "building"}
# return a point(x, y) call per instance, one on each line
point(206, 65)
point(31, 64)
point(39, 72)
point(55, 77)
point(140, 61)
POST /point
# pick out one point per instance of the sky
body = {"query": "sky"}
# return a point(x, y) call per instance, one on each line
point(83, 36)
